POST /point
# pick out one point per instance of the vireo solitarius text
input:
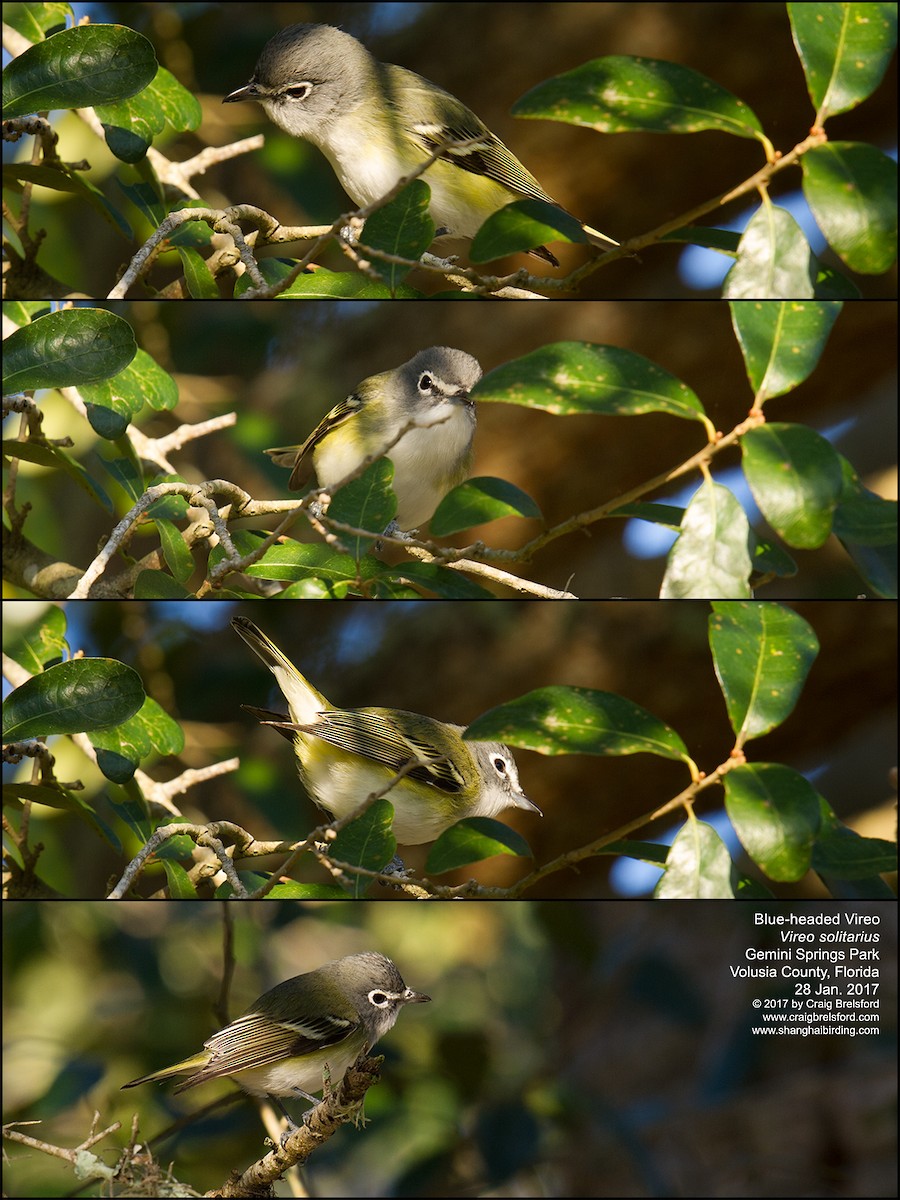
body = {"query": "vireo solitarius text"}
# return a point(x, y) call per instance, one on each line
point(283, 1043)
point(420, 415)
point(376, 122)
point(345, 755)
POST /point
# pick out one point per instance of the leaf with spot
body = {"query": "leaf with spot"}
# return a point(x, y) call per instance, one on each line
point(762, 655)
point(574, 720)
point(845, 50)
point(796, 479)
point(782, 341)
point(620, 94)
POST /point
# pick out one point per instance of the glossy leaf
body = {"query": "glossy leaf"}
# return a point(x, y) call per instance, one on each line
point(845, 50)
point(795, 477)
point(178, 881)
point(762, 654)
point(175, 551)
point(15, 794)
point(775, 812)
point(470, 841)
point(577, 377)
point(197, 275)
point(698, 866)
point(781, 341)
point(365, 503)
point(620, 94)
point(711, 556)
point(774, 261)
point(478, 501)
point(367, 842)
point(73, 697)
point(403, 227)
point(573, 720)
point(67, 349)
point(131, 125)
point(78, 68)
point(523, 225)
point(866, 525)
point(851, 188)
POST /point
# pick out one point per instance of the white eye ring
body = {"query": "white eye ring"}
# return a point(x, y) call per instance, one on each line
point(379, 998)
point(298, 91)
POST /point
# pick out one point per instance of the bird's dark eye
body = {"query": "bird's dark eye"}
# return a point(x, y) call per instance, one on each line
point(299, 91)
point(500, 766)
point(426, 383)
point(379, 999)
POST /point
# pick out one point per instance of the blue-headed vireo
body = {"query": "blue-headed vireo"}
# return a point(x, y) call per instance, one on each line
point(347, 754)
point(419, 415)
point(286, 1039)
point(375, 122)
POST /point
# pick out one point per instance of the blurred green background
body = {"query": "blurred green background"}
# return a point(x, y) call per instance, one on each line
point(570, 1049)
point(454, 661)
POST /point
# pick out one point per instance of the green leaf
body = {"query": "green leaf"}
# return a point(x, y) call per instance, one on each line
point(841, 853)
point(404, 228)
point(698, 866)
point(667, 515)
point(78, 68)
point(845, 50)
point(795, 477)
point(67, 349)
point(365, 503)
point(45, 455)
point(15, 794)
point(157, 585)
point(59, 177)
point(73, 697)
point(300, 562)
point(200, 282)
point(781, 341)
point(576, 377)
point(862, 516)
point(130, 125)
point(852, 190)
point(113, 403)
point(776, 814)
point(774, 262)
point(333, 285)
point(367, 842)
point(178, 881)
point(866, 525)
point(470, 841)
point(121, 748)
point(442, 581)
point(480, 500)
point(41, 642)
point(762, 654)
point(572, 720)
point(711, 556)
point(620, 94)
point(35, 20)
point(523, 225)
point(178, 557)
